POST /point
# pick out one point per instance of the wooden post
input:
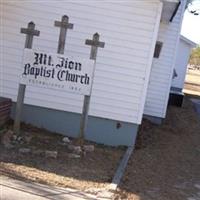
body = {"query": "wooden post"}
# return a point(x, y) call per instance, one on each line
point(30, 32)
point(64, 25)
point(94, 43)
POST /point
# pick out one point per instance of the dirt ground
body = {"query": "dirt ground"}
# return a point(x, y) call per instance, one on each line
point(166, 162)
point(95, 170)
point(164, 166)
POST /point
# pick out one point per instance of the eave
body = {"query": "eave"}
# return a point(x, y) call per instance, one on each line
point(170, 8)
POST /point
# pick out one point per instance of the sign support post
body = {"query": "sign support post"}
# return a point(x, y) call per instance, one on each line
point(94, 43)
point(30, 32)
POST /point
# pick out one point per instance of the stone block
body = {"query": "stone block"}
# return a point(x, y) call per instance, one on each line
point(51, 154)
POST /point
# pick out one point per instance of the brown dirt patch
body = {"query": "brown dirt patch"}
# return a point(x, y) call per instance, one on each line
point(95, 170)
point(166, 164)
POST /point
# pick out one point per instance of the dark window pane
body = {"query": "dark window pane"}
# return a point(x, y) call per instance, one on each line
point(157, 50)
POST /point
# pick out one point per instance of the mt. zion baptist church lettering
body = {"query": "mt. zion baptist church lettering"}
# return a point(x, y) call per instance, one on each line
point(57, 71)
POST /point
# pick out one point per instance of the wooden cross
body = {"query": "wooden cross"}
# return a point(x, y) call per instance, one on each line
point(64, 25)
point(95, 43)
point(30, 32)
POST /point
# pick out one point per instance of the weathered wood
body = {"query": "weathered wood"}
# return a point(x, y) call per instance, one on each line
point(64, 25)
point(95, 43)
point(30, 32)
point(84, 118)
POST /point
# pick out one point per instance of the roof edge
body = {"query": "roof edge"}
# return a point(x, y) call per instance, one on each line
point(193, 44)
point(170, 8)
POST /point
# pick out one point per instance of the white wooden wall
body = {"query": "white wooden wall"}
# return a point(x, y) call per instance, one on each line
point(181, 63)
point(128, 29)
point(162, 67)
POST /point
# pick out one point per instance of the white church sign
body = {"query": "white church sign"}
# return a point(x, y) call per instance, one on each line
point(56, 71)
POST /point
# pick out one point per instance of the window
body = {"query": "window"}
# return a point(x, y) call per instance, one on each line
point(157, 50)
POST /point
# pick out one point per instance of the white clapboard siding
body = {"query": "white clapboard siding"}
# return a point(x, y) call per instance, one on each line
point(162, 67)
point(128, 29)
point(184, 49)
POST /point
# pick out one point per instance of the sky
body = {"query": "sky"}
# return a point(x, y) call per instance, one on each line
point(191, 24)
